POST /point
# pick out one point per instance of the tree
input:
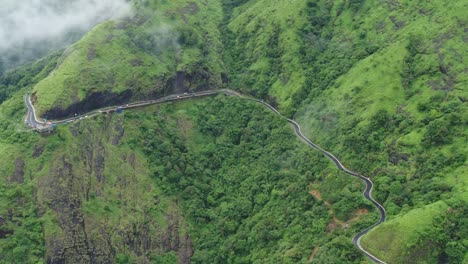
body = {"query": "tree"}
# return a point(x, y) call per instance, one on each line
point(437, 132)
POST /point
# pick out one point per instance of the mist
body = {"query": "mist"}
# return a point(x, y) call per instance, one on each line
point(30, 28)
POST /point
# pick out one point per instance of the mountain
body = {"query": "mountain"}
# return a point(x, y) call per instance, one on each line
point(380, 84)
point(31, 29)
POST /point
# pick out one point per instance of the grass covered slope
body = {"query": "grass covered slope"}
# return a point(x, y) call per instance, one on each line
point(163, 47)
point(421, 245)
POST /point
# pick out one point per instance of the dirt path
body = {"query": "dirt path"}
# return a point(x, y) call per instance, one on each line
point(335, 221)
point(312, 255)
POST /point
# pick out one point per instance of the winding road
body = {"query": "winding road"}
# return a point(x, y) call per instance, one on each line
point(32, 121)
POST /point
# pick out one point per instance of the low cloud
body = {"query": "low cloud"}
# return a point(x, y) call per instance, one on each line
point(163, 37)
point(27, 21)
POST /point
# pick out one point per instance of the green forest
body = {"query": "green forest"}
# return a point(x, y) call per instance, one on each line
point(380, 84)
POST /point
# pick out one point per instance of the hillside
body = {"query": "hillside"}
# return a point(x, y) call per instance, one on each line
point(381, 84)
point(214, 179)
point(161, 49)
point(384, 85)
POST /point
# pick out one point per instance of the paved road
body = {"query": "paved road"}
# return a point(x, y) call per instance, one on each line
point(31, 119)
point(367, 191)
point(34, 122)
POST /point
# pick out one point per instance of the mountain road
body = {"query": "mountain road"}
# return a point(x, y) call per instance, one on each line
point(32, 120)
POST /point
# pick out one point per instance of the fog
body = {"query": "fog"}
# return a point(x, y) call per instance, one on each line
point(25, 23)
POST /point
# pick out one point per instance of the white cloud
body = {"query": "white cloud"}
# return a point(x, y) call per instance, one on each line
point(24, 21)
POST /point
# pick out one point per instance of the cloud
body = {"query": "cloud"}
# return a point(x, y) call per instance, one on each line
point(26, 21)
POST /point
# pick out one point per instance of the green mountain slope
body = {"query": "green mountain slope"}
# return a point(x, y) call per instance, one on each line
point(219, 179)
point(400, 116)
point(162, 48)
point(381, 84)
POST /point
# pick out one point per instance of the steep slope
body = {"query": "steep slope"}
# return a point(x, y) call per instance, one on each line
point(381, 84)
point(164, 47)
point(264, 56)
point(400, 114)
point(27, 76)
point(216, 179)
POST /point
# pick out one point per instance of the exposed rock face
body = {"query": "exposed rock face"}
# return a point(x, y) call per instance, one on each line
point(119, 129)
point(18, 174)
point(38, 149)
point(74, 245)
point(185, 249)
point(200, 80)
point(172, 240)
point(91, 102)
point(100, 215)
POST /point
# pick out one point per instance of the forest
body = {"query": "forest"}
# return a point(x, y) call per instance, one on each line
point(380, 84)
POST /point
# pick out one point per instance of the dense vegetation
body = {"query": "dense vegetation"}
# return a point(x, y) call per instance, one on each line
point(224, 174)
point(26, 76)
point(382, 84)
point(399, 115)
point(244, 178)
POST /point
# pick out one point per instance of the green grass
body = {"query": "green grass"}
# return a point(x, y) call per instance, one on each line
point(396, 239)
point(123, 55)
point(111, 69)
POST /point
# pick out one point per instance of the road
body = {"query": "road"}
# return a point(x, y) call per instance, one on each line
point(367, 193)
point(31, 120)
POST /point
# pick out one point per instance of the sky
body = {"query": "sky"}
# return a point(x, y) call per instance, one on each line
point(26, 21)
